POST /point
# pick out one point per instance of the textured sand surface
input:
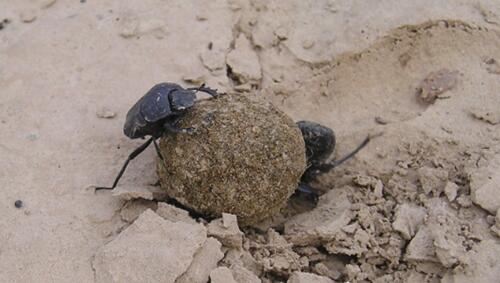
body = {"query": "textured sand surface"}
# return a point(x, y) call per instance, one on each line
point(419, 204)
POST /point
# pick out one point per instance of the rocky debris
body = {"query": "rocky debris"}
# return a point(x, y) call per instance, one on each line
point(148, 251)
point(432, 180)
point(226, 230)
point(483, 265)
point(132, 209)
point(135, 192)
point(421, 247)
point(275, 254)
point(489, 114)
point(304, 277)
point(105, 113)
point(435, 84)
point(222, 275)
point(243, 275)
point(408, 218)
point(274, 221)
point(244, 62)
point(311, 252)
point(444, 238)
point(373, 238)
point(243, 258)
point(401, 189)
point(376, 188)
point(174, 213)
point(205, 260)
point(451, 191)
point(355, 273)
point(321, 224)
point(321, 268)
point(485, 191)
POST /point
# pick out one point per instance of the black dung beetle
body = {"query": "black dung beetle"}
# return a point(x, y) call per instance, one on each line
point(157, 113)
point(320, 144)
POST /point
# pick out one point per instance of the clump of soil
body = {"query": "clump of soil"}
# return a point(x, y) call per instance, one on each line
point(435, 84)
point(246, 158)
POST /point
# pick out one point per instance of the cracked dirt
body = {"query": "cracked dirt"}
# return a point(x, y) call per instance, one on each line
point(420, 204)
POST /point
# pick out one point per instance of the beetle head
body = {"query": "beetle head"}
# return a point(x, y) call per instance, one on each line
point(182, 99)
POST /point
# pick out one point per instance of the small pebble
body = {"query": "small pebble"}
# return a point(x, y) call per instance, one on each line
point(281, 32)
point(105, 113)
point(381, 120)
point(201, 17)
point(307, 44)
point(435, 84)
point(28, 16)
point(18, 203)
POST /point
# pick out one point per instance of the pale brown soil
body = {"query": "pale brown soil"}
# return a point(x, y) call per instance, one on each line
point(419, 204)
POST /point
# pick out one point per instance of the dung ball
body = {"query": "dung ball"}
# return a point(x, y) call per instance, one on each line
point(246, 158)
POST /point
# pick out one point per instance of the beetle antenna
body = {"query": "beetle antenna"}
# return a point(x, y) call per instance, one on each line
point(133, 155)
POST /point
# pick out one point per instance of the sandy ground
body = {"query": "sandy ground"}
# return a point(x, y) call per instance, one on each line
point(419, 204)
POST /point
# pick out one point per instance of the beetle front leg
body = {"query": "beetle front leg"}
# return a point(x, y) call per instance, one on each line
point(212, 92)
point(169, 127)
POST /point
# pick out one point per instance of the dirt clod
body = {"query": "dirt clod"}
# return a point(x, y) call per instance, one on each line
point(226, 230)
point(435, 84)
point(143, 250)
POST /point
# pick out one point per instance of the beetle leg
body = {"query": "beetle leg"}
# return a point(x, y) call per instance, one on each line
point(159, 154)
point(325, 167)
point(308, 191)
point(212, 92)
point(158, 150)
point(133, 155)
point(169, 127)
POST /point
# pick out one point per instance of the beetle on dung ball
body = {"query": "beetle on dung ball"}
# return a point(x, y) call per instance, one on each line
point(255, 128)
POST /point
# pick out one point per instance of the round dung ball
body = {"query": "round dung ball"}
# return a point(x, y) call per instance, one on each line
point(246, 157)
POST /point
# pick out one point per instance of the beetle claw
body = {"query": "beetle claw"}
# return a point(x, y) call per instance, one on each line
point(212, 92)
point(190, 131)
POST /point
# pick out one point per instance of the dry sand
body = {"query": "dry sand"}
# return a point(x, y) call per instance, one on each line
point(419, 204)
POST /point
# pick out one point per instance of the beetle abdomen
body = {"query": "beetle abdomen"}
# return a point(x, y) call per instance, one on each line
point(319, 140)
